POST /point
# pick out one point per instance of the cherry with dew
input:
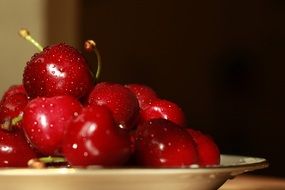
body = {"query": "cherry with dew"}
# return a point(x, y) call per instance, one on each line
point(161, 143)
point(94, 139)
point(45, 121)
point(56, 70)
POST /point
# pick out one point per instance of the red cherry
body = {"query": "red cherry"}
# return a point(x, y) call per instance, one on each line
point(14, 89)
point(208, 151)
point(11, 106)
point(161, 143)
point(166, 110)
point(93, 139)
point(144, 94)
point(14, 149)
point(120, 100)
point(58, 70)
point(45, 121)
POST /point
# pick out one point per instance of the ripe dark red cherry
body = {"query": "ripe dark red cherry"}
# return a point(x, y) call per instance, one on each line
point(161, 143)
point(208, 151)
point(164, 109)
point(45, 121)
point(94, 139)
point(58, 70)
point(120, 100)
point(11, 106)
point(12, 90)
point(14, 149)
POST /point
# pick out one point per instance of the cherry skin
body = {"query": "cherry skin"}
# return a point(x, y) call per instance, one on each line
point(208, 151)
point(14, 149)
point(45, 121)
point(144, 94)
point(12, 90)
point(94, 139)
point(11, 106)
point(161, 143)
point(164, 109)
point(120, 100)
point(58, 70)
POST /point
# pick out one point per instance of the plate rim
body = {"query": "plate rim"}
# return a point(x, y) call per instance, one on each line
point(231, 169)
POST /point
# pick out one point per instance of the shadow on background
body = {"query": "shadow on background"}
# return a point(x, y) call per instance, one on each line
point(222, 61)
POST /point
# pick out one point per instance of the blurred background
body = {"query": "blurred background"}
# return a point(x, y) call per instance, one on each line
point(221, 61)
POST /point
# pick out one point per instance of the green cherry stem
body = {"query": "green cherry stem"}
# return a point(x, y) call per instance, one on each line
point(26, 35)
point(42, 162)
point(51, 159)
point(90, 45)
point(17, 119)
point(9, 124)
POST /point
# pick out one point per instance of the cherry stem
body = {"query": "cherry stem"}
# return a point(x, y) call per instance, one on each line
point(6, 125)
point(90, 45)
point(17, 119)
point(51, 159)
point(9, 124)
point(42, 162)
point(26, 35)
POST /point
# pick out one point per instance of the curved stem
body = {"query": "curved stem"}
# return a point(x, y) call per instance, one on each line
point(99, 64)
point(26, 35)
point(90, 45)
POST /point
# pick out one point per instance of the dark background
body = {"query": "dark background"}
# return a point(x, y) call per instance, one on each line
point(221, 61)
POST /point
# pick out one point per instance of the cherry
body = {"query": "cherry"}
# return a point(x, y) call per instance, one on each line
point(57, 70)
point(12, 90)
point(119, 99)
point(208, 151)
point(166, 110)
point(94, 139)
point(11, 106)
point(162, 143)
point(14, 149)
point(144, 94)
point(45, 121)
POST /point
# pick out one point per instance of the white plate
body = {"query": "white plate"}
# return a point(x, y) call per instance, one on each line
point(210, 178)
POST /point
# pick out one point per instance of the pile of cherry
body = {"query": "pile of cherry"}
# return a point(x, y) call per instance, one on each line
point(59, 111)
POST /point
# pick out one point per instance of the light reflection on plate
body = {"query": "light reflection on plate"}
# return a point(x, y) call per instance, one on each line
point(209, 178)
